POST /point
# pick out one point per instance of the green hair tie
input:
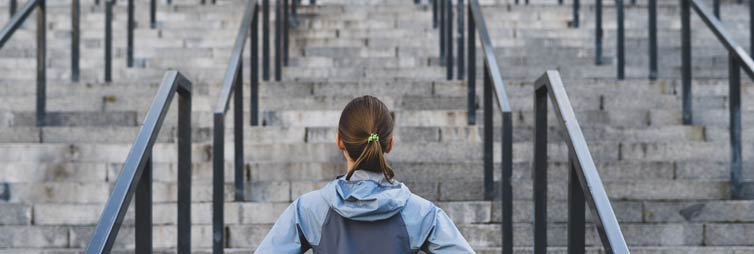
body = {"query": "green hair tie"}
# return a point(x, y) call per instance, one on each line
point(373, 137)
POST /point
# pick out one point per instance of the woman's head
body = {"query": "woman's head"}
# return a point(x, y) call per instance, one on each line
point(365, 134)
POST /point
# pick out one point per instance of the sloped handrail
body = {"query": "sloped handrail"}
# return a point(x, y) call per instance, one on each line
point(233, 86)
point(493, 84)
point(7, 32)
point(738, 59)
point(584, 182)
point(136, 175)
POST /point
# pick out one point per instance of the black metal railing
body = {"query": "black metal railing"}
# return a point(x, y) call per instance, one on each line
point(738, 59)
point(136, 175)
point(584, 183)
point(493, 84)
point(442, 17)
point(16, 21)
point(233, 85)
point(130, 27)
point(620, 57)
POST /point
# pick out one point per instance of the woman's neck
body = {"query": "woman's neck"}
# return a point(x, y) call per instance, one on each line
point(349, 165)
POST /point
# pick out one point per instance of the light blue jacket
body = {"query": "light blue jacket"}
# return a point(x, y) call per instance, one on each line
point(366, 215)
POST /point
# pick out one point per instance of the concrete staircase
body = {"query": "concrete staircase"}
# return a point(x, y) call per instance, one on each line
point(668, 182)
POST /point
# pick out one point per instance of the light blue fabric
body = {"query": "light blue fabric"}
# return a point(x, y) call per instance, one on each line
point(366, 197)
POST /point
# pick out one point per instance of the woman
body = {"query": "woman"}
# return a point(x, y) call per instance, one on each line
point(366, 211)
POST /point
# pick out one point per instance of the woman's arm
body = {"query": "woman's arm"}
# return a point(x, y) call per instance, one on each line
point(444, 237)
point(285, 237)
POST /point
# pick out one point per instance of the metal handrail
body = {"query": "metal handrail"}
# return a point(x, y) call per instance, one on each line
point(620, 46)
point(7, 32)
point(585, 184)
point(738, 59)
point(233, 85)
point(136, 175)
point(493, 83)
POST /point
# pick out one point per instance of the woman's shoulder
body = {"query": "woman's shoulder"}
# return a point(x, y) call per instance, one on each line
point(419, 206)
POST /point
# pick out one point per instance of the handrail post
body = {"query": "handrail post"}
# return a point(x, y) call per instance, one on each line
point(130, 46)
point(442, 31)
point(184, 172)
point(278, 41)
point(41, 63)
point(238, 164)
point(506, 189)
point(75, 36)
point(286, 31)
point(108, 39)
point(576, 13)
point(434, 13)
point(266, 40)
point(488, 135)
point(461, 57)
point(652, 39)
point(621, 38)
point(143, 210)
point(254, 65)
point(294, 12)
point(218, 183)
point(734, 90)
point(598, 32)
point(539, 171)
point(686, 60)
point(471, 78)
point(576, 209)
point(153, 13)
point(449, 41)
point(12, 7)
point(716, 8)
point(751, 28)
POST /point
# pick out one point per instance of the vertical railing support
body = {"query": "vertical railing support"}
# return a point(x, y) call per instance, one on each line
point(254, 65)
point(75, 36)
point(449, 40)
point(576, 13)
point(471, 78)
point(218, 183)
point(130, 46)
point(238, 164)
point(41, 63)
point(294, 13)
point(461, 40)
point(621, 40)
point(734, 96)
point(652, 39)
point(278, 40)
point(716, 8)
point(286, 31)
point(434, 13)
point(184, 172)
point(489, 188)
point(751, 28)
point(266, 40)
point(506, 188)
point(143, 210)
point(12, 6)
point(153, 13)
point(576, 210)
point(540, 171)
point(598, 33)
point(686, 60)
point(108, 40)
point(442, 31)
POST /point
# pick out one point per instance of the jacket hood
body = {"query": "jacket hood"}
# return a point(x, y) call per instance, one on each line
point(368, 196)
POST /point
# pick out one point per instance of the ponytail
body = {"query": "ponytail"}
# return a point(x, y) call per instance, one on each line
point(366, 130)
point(372, 156)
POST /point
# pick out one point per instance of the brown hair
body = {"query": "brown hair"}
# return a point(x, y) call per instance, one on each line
point(361, 118)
